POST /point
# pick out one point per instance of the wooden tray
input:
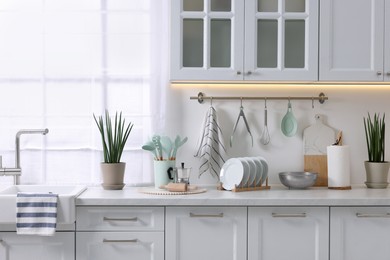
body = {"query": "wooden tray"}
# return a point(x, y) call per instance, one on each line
point(154, 191)
point(248, 188)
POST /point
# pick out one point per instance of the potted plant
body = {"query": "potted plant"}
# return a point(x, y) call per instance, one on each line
point(114, 136)
point(376, 167)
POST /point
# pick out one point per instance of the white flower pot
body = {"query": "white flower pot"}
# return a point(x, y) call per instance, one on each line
point(377, 174)
point(113, 175)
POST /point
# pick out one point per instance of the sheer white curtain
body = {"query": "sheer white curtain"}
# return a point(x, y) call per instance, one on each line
point(61, 61)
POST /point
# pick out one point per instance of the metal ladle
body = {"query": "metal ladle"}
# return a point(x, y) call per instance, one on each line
point(265, 138)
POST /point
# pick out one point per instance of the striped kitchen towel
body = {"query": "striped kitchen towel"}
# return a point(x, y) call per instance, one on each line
point(36, 213)
point(210, 147)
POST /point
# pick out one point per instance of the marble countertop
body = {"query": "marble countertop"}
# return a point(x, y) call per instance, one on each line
point(276, 196)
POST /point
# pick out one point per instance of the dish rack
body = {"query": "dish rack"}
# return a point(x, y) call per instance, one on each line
point(261, 186)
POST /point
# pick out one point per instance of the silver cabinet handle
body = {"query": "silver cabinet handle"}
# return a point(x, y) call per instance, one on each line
point(249, 72)
point(388, 73)
point(220, 215)
point(289, 215)
point(120, 241)
point(120, 219)
point(238, 72)
point(379, 73)
point(367, 215)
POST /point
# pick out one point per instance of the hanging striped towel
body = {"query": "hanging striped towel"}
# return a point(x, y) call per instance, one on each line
point(210, 147)
point(36, 213)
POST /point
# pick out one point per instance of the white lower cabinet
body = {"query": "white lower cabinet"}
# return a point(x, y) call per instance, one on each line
point(22, 247)
point(120, 233)
point(213, 233)
point(206, 233)
point(120, 245)
point(285, 233)
point(360, 233)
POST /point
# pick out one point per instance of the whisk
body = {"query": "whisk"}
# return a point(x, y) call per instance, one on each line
point(265, 138)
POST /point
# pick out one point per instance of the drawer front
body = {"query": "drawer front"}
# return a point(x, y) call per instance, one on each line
point(120, 218)
point(209, 233)
point(120, 245)
point(61, 246)
point(288, 233)
point(359, 233)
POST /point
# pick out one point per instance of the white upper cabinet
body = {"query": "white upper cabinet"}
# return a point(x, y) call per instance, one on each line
point(352, 40)
point(244, 40)
point(281, 40)
point(387, 42)
point(207, 39)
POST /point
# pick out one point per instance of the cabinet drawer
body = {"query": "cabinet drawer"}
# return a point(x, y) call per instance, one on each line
point(120, 245)
point(61, 246)
point(301, 232)
point(217, 233)
point(120, 218)
point(359, 233)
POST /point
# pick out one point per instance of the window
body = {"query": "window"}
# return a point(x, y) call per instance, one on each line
point(61, 61)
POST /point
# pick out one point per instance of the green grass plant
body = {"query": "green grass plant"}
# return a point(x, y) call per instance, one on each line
point(114, 136)
point(375, 137)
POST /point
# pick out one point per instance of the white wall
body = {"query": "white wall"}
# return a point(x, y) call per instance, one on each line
point(345, 109)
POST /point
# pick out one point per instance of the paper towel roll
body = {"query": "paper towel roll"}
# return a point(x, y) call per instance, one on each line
point(339, 175)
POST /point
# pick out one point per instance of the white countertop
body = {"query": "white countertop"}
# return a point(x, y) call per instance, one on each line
point(276, 196)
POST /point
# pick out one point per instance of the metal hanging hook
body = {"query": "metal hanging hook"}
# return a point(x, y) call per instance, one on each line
point(241, 100)
point(265, 102)
point(211, 101)
point(312, 102)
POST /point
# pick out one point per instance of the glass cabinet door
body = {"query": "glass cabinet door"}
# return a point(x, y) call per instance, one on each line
point(283, 36)
point(207, 39)
point(209, 35)
point(244, 40)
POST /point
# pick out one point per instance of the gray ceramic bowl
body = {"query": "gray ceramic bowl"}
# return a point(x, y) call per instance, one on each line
point(298, 180)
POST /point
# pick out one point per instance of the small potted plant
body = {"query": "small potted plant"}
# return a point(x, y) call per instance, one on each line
point(114, 136)
point(376, 167)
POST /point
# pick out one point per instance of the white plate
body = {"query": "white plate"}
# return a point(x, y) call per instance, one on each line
point(231, 173)
point(265, 168)
point(259, 170)
point(245, 178)
point(252, 171)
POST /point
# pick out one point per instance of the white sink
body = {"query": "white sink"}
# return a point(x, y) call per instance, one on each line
point(66, 208)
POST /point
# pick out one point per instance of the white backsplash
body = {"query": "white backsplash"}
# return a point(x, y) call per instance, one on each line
point(345, 109)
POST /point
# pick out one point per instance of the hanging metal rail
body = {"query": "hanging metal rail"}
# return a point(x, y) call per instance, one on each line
point(201, 97)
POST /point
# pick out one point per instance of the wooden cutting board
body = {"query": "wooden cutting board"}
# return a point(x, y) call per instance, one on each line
point(315, 140)
point(318, 164)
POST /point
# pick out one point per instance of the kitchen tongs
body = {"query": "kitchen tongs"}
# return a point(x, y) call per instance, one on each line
point(241, 114)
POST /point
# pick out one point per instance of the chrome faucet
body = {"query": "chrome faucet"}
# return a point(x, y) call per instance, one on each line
point(17, 171)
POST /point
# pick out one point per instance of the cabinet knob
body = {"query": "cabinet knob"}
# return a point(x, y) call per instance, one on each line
point(379, 73)
point(238, 72)
point(249, 72)
point(388, 73)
